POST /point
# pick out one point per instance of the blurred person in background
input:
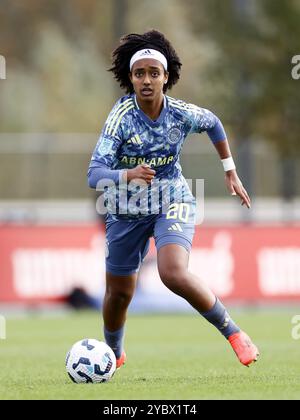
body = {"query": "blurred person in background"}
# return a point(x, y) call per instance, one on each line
point(140, 145)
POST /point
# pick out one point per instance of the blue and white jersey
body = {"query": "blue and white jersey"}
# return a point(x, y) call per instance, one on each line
point(130, 138)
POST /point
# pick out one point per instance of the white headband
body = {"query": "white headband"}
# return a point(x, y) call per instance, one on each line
point(148, 53)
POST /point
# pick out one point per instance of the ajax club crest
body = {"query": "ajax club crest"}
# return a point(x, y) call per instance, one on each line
point(174, 135)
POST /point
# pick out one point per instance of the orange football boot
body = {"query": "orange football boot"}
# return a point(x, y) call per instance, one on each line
point(121, 361)
point(243, 347)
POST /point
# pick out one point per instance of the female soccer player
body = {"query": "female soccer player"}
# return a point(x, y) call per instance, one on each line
point(137, 155)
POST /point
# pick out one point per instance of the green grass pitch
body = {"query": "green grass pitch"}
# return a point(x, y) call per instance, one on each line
point(169, 357)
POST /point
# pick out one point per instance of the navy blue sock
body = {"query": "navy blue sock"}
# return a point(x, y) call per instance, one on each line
point(219, 317)
point(115, 340)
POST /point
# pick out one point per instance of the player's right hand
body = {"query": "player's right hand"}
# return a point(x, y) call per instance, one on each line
point(141, 172)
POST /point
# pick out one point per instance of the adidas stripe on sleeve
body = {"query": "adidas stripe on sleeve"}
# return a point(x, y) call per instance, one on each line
point(104, 156)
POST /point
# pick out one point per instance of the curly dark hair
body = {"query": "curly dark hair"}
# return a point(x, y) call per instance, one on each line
point(130, 44)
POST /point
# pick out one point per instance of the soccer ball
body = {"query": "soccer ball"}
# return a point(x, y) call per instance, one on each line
point(90, 361)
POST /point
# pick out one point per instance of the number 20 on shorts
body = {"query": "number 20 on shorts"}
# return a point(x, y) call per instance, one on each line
point(179, 211)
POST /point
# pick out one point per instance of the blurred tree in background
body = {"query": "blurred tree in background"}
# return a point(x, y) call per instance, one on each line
point(236, 58)
point(57, 57)
point(256, 41)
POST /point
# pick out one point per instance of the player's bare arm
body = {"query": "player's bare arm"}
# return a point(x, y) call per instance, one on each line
point(232, 181)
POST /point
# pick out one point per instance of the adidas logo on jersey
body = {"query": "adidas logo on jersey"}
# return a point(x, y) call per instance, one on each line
point(135, 140)
point(176, 227)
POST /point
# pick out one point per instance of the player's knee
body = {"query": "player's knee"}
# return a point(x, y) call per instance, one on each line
point(173, 277)
point(119, 298)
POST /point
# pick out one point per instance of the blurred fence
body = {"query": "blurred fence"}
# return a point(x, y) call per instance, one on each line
point(54, 166)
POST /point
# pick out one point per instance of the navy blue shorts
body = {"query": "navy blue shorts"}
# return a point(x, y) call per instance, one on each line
point(127, 241)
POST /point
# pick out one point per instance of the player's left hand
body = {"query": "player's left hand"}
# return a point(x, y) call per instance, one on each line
point(235, 187)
